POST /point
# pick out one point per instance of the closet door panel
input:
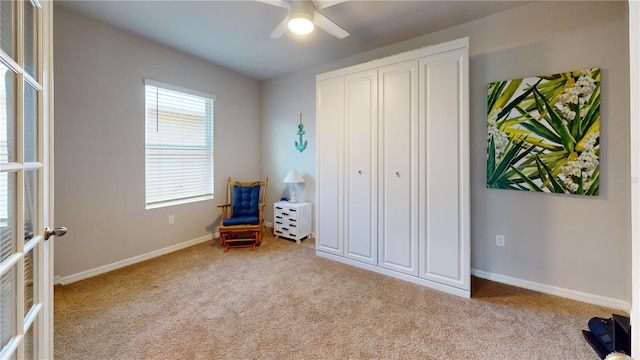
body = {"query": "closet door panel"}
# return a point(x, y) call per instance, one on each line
point(444, 249)
point(329, 134)
point(398, 183)
point(361, 163)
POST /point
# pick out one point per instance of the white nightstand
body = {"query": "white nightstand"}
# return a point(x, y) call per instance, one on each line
point(292, 221)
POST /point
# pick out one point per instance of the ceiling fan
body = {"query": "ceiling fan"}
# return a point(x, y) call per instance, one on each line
point(303, 14)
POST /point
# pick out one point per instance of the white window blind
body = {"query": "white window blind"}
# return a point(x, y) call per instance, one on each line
point(178, 145)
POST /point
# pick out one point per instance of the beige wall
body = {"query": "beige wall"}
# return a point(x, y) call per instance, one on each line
point(99, 143)
point(557, 242)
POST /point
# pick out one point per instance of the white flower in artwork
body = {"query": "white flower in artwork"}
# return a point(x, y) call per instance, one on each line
point(571, 186)
point(591, 141)
point(585, 84)
point(583, 167)
point(493, 116)
point(500, 138)
point(575, 97)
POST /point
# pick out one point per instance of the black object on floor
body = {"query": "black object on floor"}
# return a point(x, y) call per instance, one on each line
point(609, 335)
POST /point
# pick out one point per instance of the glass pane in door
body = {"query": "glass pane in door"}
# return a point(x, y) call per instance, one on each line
point(30, 123)
point(8, 233)
point(29, 343)
point(30, 41)
point(7, 306)
point(7, 33)
point(29, 277)
point(31, 192)
point(7, 114)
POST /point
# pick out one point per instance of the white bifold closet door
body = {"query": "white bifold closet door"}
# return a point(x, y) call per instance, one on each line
point(329, 132)
point(444, 220)
point(361, 134)
point(398, 217)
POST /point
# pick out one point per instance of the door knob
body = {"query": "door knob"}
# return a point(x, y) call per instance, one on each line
point(59, 231)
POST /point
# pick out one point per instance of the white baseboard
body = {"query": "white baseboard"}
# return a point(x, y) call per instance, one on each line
point(554, 290)
point(395, 274)
point(136, 259)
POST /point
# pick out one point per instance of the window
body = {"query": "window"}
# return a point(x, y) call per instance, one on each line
point(178, 145)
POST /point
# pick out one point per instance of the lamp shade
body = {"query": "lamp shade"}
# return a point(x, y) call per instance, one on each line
point(293, 177)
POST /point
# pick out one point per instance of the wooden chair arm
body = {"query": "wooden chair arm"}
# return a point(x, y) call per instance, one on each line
point(224, 208)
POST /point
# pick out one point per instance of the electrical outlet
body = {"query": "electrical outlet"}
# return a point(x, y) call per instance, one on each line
point(172, 219)
point(500, 240)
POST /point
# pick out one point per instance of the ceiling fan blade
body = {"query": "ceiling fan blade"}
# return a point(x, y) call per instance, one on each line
point(281, 28)
point(329, 26)
point(279, 3)
point(321, 4)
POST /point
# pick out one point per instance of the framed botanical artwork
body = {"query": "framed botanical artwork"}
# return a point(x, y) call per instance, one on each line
point(543, 133)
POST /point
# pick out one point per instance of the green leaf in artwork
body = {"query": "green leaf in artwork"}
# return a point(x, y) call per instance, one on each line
point(557, 188)
point(558, 125)
point(580, 186)
point(595, 183)
point(494, 90)
point(491, 159)
point(512, 156)
point(506, 160)
point(506, 94)
point(532, 185)
point(517, 100)
point(542, 131)
point(593, 112)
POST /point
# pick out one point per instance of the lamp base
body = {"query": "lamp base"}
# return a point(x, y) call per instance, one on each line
point(293, 197)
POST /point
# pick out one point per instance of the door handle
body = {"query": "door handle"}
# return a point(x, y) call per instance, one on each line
point(59, 231)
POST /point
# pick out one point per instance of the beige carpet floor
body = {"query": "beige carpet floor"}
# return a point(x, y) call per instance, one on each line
point(281, 301)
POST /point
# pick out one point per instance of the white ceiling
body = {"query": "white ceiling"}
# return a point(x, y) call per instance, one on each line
point(235, 34)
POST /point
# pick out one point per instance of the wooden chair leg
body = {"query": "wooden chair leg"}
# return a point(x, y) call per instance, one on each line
point(250, 238)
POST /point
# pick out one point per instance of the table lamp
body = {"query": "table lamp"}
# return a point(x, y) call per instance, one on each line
point(292, 179)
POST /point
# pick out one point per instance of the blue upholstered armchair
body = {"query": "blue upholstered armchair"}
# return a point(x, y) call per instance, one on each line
point(242, 217)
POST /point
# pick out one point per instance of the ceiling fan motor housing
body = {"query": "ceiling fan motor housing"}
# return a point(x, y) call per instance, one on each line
point(301, 9)
point(301, 17)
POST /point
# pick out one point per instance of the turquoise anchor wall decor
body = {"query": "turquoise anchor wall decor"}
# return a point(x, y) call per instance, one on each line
point(301, 146)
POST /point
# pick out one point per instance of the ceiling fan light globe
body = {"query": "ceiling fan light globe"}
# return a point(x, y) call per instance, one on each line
point(301, 25)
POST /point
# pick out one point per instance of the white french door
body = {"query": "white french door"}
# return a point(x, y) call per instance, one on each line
point(26, 310)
